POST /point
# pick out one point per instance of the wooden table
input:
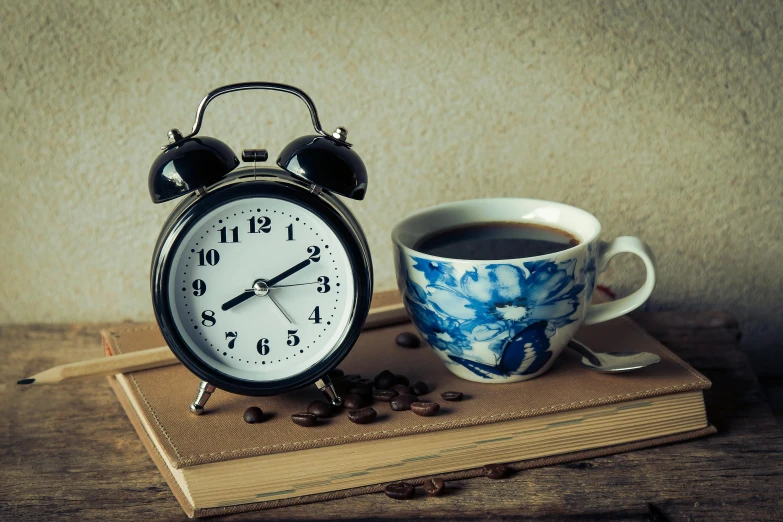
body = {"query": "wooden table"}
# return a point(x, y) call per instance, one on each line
point(69, 452)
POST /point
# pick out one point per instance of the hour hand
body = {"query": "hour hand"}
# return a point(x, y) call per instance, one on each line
point(241, 298)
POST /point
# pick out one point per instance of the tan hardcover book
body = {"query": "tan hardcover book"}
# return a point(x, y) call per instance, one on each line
point(217, 464)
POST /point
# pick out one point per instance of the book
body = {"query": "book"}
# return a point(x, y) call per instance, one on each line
point(218, 464)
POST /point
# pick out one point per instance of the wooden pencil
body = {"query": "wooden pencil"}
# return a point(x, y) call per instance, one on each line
point(163, 356)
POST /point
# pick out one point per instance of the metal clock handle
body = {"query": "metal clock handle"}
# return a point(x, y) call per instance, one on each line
point(248, 86)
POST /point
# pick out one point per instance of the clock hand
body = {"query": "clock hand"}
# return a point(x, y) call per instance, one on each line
point(291, 271)
point(247, 294)
point(241, 298)
point(280, 308)
point(295, 284)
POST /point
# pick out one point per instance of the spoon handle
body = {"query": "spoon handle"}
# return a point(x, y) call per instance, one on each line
point(583, 350)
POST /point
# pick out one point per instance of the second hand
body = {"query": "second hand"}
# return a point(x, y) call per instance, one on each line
point(280, 308)
point(286, 286)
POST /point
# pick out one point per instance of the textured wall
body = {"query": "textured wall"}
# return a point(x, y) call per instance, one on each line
point(663, 118)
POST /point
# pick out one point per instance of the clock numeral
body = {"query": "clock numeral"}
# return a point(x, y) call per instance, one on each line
point(315, 253)
point(211, 257)
point(324, 287)
point(234, 235)
point(315, 317)
point(263, 346)
point(208, 318)
point(290, 232)
point(293, 339)
point(233, 337)
point(264, 225)
point(199, 287)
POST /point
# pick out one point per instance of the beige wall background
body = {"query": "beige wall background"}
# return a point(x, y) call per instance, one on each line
point(663, 118)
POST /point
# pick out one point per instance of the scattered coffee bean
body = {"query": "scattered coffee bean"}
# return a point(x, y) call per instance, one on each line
point(304, 419)
point(434, 486)
point(384, 380)
point(350, 377)
point(401, 379)
point(345, 382)
point(408, 340)
point(253, 415)
point(420, 388)
point(451, 396)
point(362, 392)
point(353, 401)
point(362, 415)
point(320, 409)
point(336, 373)
point(399, 490)
point(402, 389)
point(495, 471)
point(425, 409)
point(403, 402)
point(364, 384)
point(384, 395)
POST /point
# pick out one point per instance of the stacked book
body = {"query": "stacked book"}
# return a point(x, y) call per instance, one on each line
point(217, 464)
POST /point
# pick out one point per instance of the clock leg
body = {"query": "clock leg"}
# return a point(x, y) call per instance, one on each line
point(325, 385)
point(204, 392)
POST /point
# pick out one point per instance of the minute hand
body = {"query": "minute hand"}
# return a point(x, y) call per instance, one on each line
point(294, 269)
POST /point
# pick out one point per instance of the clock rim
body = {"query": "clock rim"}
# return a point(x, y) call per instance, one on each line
point(335, 215)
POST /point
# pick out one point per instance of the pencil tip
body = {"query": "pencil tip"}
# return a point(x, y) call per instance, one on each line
point(26, 381)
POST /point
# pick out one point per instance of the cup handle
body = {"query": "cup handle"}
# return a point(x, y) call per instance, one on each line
point(603, 312)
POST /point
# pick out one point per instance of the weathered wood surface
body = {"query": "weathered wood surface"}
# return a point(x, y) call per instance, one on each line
point(69, 453)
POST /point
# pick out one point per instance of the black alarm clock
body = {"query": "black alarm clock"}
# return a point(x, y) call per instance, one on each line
point(261, 277)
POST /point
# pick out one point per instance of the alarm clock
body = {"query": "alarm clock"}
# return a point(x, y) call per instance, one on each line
point(261, 278)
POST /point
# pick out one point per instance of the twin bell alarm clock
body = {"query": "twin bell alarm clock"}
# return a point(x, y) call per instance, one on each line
point(261, 277)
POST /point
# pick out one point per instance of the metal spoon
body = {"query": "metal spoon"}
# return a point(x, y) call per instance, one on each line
point(613, 362)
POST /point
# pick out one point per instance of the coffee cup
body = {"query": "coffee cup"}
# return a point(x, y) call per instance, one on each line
point(506, 320)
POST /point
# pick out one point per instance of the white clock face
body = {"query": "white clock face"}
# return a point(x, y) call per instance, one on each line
point(261, 289)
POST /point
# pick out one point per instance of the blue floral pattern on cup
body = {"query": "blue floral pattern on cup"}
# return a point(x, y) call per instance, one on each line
point(510, 309)
point(588, 271)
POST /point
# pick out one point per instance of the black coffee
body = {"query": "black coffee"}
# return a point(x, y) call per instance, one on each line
point(496, 240)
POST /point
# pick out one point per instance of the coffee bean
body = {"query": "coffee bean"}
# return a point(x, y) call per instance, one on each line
point(304, 419)
point(384, 395)
point(350, 377)
point(253, 415)
point(402, 389)
point(336, 373)
point(408, 340)
point(346, 382)
point(451, 396)
point(362, 415)
point(420, 388)
point(399, 490)
point(353, 401)
point(364, 384)
point(403, 402)
point(384, 380)
point(401, 379)
point(320, 409)
point(434, 486)
point(362, 392)
point(425, 409)
point(495, 471)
